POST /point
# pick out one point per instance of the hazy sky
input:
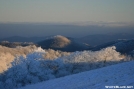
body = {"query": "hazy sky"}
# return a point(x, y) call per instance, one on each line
point(66, 10)
point(74, 18)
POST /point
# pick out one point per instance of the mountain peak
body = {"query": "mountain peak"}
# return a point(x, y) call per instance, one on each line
point(59, 41)
point(62, 43)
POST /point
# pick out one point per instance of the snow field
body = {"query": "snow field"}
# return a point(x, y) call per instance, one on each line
point(116, 75)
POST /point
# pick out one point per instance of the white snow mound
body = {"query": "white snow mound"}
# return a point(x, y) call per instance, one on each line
point(120, 75)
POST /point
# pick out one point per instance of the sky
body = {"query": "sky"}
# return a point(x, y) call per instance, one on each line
point(66, 10)
point(75, 18)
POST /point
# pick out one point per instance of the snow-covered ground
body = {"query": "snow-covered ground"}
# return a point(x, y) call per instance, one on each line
point(119, 75)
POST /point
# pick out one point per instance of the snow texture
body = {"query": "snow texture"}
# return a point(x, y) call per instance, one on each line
point(116, 75)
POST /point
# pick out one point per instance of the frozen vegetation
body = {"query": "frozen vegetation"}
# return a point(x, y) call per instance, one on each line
point(7, 54)
point(118, 76)
point(34, 67)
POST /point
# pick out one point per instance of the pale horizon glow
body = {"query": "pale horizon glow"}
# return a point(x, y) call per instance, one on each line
point(73, 18)
point(61, 11)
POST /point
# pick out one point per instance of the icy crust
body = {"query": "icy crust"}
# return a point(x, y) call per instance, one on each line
point(116, 75)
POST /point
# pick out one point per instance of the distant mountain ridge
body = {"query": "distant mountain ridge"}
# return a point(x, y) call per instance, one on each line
point(15, 44)
point(122, 46)
point(92, 40)
point(22, 39)
point(62, 43)
point(99, 39)
point(124, 43)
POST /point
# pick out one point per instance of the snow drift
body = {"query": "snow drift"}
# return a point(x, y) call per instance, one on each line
point(115, 76)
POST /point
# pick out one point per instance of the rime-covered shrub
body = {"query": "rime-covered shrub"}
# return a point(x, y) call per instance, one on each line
point(26, 71)
point(52, 54)
point(7, 55)
point(87, 60)
point(33, 68)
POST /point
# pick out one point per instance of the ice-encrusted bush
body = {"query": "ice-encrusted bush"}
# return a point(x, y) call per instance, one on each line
point(7, 55)
point(52, 54)
point(26, 71)
point(87, 60)
point(33, 68)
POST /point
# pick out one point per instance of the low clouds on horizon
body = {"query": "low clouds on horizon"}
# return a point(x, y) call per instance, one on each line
point(74, 29)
